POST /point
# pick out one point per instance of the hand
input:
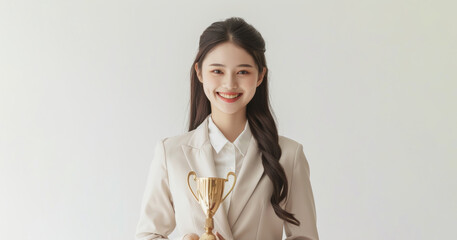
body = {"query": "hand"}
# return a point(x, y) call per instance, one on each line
point(191, 236)
point(219, 236)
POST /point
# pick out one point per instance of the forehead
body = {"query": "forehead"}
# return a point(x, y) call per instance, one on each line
point(228, 54)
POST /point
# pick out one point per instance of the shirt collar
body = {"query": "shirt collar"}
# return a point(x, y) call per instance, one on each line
point(218, 140)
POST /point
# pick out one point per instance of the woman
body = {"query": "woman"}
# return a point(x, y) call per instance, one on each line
point(231, 129)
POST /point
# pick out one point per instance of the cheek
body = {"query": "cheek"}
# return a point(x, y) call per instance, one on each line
point(209, 89)
point(251, 87)
point(250, 84)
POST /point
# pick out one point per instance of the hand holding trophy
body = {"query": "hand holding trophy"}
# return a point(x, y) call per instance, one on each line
point(209, 196)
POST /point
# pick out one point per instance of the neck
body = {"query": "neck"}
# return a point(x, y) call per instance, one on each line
point(231, 125)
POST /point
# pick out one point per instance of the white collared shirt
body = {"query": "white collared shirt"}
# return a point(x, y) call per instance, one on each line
point(228, 156)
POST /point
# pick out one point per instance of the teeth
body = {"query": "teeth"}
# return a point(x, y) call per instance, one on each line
point(229, 96)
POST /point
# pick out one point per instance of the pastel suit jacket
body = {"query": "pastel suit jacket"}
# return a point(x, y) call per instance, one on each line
point(168, 203)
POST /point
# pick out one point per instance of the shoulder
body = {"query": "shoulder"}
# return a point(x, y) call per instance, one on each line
point(288, 145)
point(170, 142)
point(291, 151)
point(174, 143)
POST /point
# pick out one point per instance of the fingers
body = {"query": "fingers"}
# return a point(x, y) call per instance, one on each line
point(191, 236)
point(219, 236)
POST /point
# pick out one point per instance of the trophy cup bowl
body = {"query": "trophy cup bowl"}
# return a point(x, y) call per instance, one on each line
point(209, 196)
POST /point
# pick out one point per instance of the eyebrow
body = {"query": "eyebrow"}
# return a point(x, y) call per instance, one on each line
point(222, 65)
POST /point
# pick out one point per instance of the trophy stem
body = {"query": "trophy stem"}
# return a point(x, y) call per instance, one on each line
point(209, 225)
point(208, 235)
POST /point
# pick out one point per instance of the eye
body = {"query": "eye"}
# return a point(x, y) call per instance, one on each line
point(217, 71)
point(245, 72)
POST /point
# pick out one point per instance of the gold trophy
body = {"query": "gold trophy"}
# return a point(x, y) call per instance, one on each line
point(209, 195)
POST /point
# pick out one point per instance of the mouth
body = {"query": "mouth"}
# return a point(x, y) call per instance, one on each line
point(229, 96)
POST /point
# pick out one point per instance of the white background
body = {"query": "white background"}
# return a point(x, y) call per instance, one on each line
point(88, 87)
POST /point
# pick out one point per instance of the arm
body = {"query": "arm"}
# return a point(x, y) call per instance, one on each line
point(157, 217)
point(301, 201)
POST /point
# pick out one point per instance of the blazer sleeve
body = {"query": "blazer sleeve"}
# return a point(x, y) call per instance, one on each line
point(300, 201)
point(157, 217)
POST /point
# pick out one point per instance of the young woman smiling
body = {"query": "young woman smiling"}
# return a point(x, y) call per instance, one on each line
point(231, 129)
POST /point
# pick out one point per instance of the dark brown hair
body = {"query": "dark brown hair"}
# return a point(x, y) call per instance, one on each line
point(258, 113)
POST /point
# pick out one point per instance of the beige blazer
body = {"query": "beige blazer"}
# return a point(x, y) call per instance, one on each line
point(167, 202)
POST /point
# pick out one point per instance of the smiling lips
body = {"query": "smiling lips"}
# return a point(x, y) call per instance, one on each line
point(229, 96)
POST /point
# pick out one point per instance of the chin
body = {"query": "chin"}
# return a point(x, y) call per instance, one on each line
point(230, 111)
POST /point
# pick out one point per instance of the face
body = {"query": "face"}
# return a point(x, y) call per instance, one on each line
point(230, 78)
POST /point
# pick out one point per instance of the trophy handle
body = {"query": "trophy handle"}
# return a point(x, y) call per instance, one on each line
point(188, 184)
point(228, 174)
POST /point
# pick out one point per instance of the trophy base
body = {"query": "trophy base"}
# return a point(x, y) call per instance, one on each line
point(208, 236)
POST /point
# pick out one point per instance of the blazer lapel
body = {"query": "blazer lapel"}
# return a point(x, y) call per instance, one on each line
point(250, 173)
point(200, 159)
point(199, 154)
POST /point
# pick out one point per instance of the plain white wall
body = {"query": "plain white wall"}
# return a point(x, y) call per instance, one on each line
point(368, 87)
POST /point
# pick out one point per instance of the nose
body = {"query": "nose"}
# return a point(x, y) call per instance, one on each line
point(230, 81)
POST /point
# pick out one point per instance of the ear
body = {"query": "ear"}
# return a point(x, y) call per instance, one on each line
point(261, 75)
point(199, 73)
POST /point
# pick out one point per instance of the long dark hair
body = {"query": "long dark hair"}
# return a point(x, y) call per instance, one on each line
point(258, 113)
